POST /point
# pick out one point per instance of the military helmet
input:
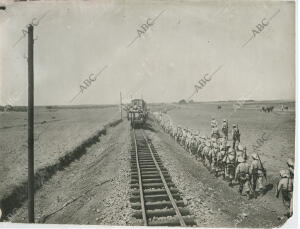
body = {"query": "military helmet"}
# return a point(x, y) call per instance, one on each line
point(233, 125)
point(224, 120)
point(241, 159)
point(254, 156)
point(240, 147)
point(290, 162)
point(284, 173)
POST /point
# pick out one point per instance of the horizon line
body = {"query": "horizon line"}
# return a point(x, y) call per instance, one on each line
point(117, 104)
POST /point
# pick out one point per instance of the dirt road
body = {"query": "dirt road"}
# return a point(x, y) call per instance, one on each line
point(95, 189)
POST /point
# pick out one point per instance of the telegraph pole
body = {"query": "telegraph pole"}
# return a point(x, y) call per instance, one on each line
point(30, 111)
point(121, 104)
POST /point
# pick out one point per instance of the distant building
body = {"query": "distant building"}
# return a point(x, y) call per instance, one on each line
point(182, 101)
point(8, 107)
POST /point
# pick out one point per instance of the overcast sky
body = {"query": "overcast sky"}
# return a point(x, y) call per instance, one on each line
point(188, 40)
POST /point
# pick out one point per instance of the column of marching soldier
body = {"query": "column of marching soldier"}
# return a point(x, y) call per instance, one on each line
point(228, 158)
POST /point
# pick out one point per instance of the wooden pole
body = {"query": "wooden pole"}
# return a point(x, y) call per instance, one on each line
point(121, 103)
point(30, 112)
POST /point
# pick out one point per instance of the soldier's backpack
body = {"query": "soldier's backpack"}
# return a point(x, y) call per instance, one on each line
point(236, 134)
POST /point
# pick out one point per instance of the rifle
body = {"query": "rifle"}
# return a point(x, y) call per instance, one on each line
point(226, 156)
point(263, 169)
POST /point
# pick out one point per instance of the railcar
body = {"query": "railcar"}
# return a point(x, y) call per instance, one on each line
point(138, 113)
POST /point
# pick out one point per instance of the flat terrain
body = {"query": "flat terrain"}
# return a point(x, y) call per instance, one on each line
point(92, 190)
point(56, 132)
point(95, 189)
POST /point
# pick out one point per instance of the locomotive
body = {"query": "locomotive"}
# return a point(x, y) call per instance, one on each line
point(138, 113)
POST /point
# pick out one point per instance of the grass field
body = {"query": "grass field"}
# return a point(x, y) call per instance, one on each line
point(279, 126)
point(57, 131)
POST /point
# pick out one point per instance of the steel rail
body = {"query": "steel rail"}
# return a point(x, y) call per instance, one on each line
point(140, 182)
point(181, 220)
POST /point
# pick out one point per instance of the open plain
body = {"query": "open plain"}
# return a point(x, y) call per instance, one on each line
point(57, 132)
point(95, 189)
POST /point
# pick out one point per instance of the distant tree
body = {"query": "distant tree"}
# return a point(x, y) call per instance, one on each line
point(182, 101)
point(191, 101)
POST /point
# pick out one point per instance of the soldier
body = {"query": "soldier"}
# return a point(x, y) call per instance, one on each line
point(257, 173)
point(240, 152)
point(189, 141)
point(174, 130)
point(215, 133)
point(229, 159)
point(290, 164)
point(225, 128)
point(206, 151)
point(235, 135)
point(183, 136)
point(200, 149)
point(185, 143)
point(195, 143)
point(220, 157)
point(179, 134)
point(213, 158)
point(242, 175)
point(285, 186)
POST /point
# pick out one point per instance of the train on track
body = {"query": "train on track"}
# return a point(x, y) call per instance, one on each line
point(137, 113)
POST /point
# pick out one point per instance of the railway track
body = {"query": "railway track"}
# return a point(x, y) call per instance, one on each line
point(154, 196)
